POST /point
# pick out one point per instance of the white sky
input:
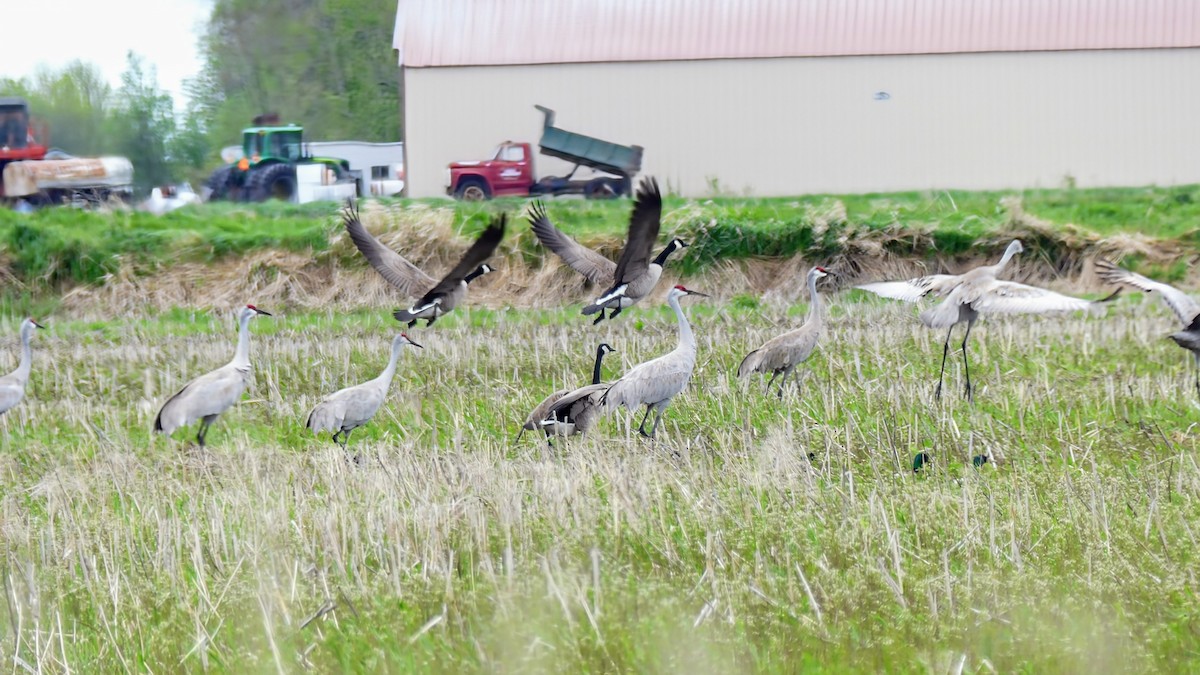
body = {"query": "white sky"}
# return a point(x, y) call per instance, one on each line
point(55, 32)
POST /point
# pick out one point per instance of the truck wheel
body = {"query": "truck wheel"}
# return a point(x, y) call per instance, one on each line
point(218, 183)
point(277, 181)
point(472, 190)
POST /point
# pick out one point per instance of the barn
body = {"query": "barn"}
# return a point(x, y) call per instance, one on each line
point(785, 97)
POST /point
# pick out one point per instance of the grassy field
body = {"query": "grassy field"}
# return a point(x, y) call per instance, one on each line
point(721, 547)
point(58, 247)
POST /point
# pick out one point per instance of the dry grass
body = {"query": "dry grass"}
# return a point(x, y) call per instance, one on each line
point(719, 548)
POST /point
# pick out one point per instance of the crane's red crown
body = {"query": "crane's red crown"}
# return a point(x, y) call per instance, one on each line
point(822, 269)
point(252, 307)
point(680, 287)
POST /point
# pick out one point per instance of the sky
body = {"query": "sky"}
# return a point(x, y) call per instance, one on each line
point(55, 32)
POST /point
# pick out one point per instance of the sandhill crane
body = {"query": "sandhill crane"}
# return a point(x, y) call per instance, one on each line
point(539, 413)
point(635, 275)
point(211, 394)
point(1184, 306)
point(436, 297)
point(781, 354)
point(600, 270)
point(655, 382)
point(348, 409)
point(12, 385)
point(971, 294)
point(576, 411)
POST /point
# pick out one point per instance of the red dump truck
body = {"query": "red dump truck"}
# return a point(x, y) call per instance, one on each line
point(509, 169)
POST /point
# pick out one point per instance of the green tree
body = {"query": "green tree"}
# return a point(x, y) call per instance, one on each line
point(326, 64)
point(73, 105)
point(143, 125)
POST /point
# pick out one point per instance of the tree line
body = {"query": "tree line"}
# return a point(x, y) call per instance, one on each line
point(325, 64)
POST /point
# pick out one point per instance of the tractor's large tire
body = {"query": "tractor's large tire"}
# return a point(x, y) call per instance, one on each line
point(276, 181)
point(218, 183)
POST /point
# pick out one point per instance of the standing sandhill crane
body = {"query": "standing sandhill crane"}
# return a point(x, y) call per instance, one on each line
point(1184, 306)
point(540, 412)
point(348, 409)
point(781, 354)
point(576, 411)
point(211, 394)
point(600, 270)
point(655, 382)
point(635, 275)
point(973, 293)
point(438, 297)
point(12, 385)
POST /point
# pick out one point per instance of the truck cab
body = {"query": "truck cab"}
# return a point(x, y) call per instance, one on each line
point(508, 172)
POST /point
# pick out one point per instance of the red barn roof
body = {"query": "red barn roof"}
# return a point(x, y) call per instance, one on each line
point(433, 33)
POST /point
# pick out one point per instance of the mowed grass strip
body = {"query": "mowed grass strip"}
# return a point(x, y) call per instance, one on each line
point(722, 547)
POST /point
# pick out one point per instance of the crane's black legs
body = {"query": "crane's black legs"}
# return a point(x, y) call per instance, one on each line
point(642, 426)
point(1197, 357)
point(205, 423)
point(966, 367)
point(945, 351)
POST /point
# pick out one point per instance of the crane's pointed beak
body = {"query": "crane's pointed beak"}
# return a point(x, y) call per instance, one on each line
point(703, 295)
point(37, 325)
point(415, 344)
point(263, 312)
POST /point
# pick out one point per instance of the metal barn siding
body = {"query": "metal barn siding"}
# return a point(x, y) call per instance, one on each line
point(800, 125)
point(433, 33)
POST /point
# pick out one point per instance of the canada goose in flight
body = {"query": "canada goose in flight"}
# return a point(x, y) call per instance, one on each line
point(436, 297)
point(211, 394)
point(1181, 303)
point(635, 274)
point(348, 409)
point(594, 267)
point(655, 382)
point(781, 354)
point(973, 293)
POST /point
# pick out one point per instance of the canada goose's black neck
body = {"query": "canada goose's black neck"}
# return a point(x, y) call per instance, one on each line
point(596, 368)
point(661, 260)
point(479, 271)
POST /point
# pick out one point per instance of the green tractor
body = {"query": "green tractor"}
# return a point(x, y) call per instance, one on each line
point(267, 169)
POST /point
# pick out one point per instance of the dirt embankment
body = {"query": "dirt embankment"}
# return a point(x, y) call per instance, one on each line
point(528, 276)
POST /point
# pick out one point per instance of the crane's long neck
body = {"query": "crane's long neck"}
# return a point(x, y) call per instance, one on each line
point(241, 358)
point(596, 368)
point(686, 338)
point(385, 378)
point(814, 309)
point(1008, 255)
point(26, 363)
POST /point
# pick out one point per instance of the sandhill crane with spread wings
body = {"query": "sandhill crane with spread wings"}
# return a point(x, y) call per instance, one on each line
point(635, 274)
point(12, 385)
point(655, 382)
point(211, 394)
point(436, 298)
point(1180, 303)
point(600, 270)
point(969, 295)
point(541, 412)
point(348, 409)
point(780, 355)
